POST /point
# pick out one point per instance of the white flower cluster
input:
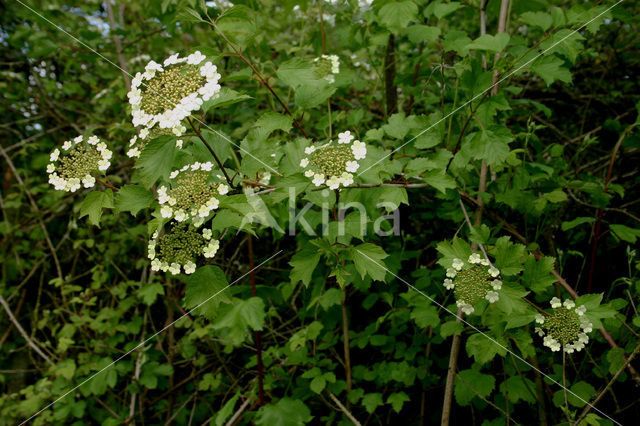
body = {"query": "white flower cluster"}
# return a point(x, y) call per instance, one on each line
point(176, 105)
point(186, 248)
point(192, 194)
point(334, 164)
point(566, 328)
point(473, 283)
point(328, 66)
point(72, 164)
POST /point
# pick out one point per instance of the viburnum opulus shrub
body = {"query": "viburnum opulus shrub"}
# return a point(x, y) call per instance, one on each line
point(280, 228)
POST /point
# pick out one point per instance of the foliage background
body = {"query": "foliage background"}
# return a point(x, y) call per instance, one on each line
point(561, 196)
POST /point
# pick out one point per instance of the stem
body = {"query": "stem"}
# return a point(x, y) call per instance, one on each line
point(345, 335)
point(257, 335)
point(108, 185)
point(23, 333)
point(596, 232)
point(344, 409)
point(224, 171)
point(116, 41)
point(564, 385)
point(606, 388)
point(391, 92)
point(264, 82)
point(451, 374)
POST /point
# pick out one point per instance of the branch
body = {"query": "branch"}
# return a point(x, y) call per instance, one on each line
point(344, 409)
point(116, 40)
point(606, 388)
point(264, 82)
point(224, 171)
point(17, 325)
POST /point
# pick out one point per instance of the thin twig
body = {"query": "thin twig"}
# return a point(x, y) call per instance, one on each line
point(224, 171)
point(343, 409)
point(17, 325)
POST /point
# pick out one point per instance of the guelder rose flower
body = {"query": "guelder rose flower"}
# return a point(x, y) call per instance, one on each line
point(334, 163)
point(472, 281)
point(167, 94)
point(74, 162)
point(565, 328)
point(192, 193)
point(327, 66)
point(180, 247)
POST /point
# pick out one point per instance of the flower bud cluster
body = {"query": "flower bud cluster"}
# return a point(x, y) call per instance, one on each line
point(72, 165)
point(179, 248)
point(473, 281)
point(193, 193)
point(327, 66)
point(333, 163)
point(565, 328)
point(172, 91)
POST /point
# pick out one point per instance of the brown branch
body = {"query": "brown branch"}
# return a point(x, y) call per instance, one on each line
point(116, 41)
point(25, 336)
point(390, 88)
point(608, 386)
point(343, 408)
point(264, 82)
point(204, 141)
point(258, 337)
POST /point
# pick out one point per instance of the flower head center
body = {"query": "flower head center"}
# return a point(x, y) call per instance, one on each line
point(332, 159)
point(167, 88)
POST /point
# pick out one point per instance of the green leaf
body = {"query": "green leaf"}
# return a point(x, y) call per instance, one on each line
point(418, 33)
point(225, 97)
point(441, 10)
point(156, 160)
point(537, 19)
point(472, 383)
point(450, 328)
point(367, 259)
point(312, 95)
point(583, 390)
point(483, 349)
point(440, 180)
point(491, 144)
point(371, 401)
point(424, 314)
point(93, 204)
point(204, 283)
point(242, 314)
point(397, 15)
point(303, 264)
point(625, 233)
point(550, 69)
point(397, 400)
point(537, 273)
point(150, 292)
point(272, 121)
point(509, 256)
point(492, 43)
point(518, 388)
point(557, 196)
point(318, 384)
point(133, 198)
point(576, 222)
point(296, 72)
point(286, 412)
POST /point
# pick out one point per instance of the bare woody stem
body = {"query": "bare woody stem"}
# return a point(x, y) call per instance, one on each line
point(264, 82)
point(345, 334)
point(107, 184)
point(258, 337)
point(215, 156)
